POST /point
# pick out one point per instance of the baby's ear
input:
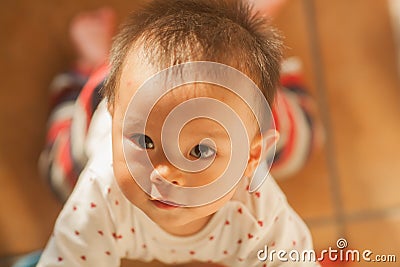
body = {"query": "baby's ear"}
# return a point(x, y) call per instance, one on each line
point(261, 147)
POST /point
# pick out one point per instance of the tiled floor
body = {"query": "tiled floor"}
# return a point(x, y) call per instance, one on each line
point(348, 189)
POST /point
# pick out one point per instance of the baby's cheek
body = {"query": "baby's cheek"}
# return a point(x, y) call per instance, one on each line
point(126, 183)
point(218, 167)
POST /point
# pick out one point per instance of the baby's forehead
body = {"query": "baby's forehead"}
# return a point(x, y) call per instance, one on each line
point(200, 90)
point(202, 96)
point(139, 69)
point(138, 81)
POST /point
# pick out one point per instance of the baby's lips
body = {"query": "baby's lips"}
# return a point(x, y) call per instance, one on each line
point(157, 194)
point(171, 203)
point(160, 191)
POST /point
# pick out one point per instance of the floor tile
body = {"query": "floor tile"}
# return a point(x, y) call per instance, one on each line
point(362, 86)
point(28, 211)
point(380, 235)
point(309, 190)
point(324, 235)
point(292, 23)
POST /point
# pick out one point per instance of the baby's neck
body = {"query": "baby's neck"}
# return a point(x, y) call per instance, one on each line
point(188, 229)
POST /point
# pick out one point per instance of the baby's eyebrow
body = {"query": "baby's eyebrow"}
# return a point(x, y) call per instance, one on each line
point(217, 133)
point(133, 122)
point(214, 133)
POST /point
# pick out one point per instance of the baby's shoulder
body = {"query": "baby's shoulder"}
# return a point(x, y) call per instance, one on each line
point(263, 203)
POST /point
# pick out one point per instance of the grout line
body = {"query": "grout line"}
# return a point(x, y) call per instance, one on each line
point(356, 217)
point(373, 215)
point(319, 222)
point(330, 155)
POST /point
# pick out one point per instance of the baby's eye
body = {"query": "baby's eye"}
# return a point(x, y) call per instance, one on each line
point(143, 141)
point(202, 151)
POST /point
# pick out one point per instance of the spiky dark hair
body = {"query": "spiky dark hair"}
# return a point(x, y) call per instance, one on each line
point(176, 31)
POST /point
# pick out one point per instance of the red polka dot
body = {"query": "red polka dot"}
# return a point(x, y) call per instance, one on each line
point(272, 244)
point(240, 210)
point(265, 265)
point(83, 258)
point(100, 232)
point(92, 205)
point(247, 188)
point(192, 252)
point(74, 208)
point(257, 194)
point(76, 232)
point(250, 236)
point(144, 246)
point(227, 222)
point(239, 241)
point(108, 190)
point(116, 202)
point(133, 230)
point(260, 223)
point(294, 242)
point(108, 253)
point(116, 236)
point(211, 238)
point(60, 259)
point(225, 252)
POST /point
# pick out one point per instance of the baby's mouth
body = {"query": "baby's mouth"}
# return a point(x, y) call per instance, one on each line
point(165, 204)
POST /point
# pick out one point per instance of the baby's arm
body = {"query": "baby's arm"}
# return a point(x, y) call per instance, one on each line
point(288, 233)
point(84, 234)
point(277, 228)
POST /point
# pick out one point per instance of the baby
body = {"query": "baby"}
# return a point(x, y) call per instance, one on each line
point(153, 153)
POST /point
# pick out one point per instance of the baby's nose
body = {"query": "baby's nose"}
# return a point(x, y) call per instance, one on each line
point(155, 177)
point(161, 174)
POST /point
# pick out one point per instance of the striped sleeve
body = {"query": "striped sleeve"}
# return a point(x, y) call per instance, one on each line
point(294, 124)
point(73, 101)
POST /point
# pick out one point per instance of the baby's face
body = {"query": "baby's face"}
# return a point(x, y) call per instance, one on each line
point(170, 217)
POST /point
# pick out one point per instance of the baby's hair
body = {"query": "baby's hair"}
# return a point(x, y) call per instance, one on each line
point(177, 31)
